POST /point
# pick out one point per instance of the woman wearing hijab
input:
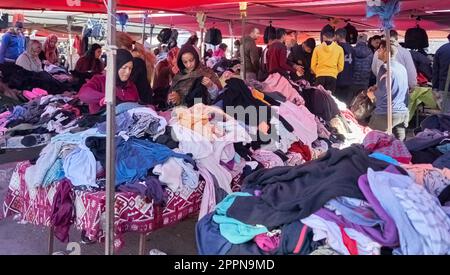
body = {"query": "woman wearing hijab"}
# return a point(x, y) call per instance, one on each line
point(90, 62)
point(29, 60)
point(191, 71)
point(93, 92)
point(143, 66)
point(50, 51)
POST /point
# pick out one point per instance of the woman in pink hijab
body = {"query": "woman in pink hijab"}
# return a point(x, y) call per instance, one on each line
point(50, 51)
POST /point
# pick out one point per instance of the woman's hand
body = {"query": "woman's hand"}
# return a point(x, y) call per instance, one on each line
point(207, 82)
point(102, 102)
point(174, 98)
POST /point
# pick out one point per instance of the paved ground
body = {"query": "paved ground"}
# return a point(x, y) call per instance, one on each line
point(19, 239)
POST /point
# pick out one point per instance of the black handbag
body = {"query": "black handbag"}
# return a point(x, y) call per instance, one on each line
point(352, 34)
point(213, 36)
point(269, 32)
point(416, 38)
point(164, 35)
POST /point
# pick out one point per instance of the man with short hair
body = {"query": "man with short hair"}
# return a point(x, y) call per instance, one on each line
point(277, 57)
point(327, 62)
point(251, 53)
point(440, 73)
point(403, 57)
point(302, 55)
point(345, 78)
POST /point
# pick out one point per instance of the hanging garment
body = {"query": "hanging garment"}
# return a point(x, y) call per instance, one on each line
point(63, 211)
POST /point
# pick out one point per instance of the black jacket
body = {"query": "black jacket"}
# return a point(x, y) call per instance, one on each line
point(300, 57)
point(139, 78)
point(292, 193)
point(440, 67)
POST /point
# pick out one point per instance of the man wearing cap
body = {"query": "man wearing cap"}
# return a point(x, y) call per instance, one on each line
point(12, 44)
point(363, 57)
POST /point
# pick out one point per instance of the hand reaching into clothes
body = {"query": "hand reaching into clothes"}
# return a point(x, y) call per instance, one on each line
point(207, 82)
point(300, 70)
point(174, 98)
point(371, 93)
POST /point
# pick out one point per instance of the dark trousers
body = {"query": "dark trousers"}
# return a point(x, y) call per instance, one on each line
point(328, 82)
point(399, 122)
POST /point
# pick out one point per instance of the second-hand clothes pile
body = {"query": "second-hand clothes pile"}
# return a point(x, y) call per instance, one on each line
point(363, 200)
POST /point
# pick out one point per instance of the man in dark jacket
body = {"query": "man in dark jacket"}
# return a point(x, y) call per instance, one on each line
point(423, 64)
point(301, 55)
point(277, 57)
point(251, 54)
point(362, 69)
point(441, 73)
point(345, 78)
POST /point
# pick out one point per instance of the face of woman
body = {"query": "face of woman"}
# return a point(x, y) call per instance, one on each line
point(188, 61)
point(98, 53)
point(36, 49)
point(53, 42)
point(125, 71)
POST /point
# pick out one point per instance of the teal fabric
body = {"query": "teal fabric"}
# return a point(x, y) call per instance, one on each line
point(234, 231)
point(385, 158)
point(54, 174)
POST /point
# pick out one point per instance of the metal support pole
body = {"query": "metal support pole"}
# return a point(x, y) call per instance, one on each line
point(51, 240)
point(152, 28)
point(230, 26)
point(142, 243)
point(389, 83)
point(243, 71)
point(144, 22)
point(202, 44)
point(110, 100)
point(69, 29)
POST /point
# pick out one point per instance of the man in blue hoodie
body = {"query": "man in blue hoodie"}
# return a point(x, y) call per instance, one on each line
point(345, 78)
point(12, 44)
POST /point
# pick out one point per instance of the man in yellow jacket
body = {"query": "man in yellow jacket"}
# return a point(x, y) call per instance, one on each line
point(327, 62)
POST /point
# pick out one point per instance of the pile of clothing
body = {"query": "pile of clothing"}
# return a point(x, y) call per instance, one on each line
point(35, 122)
point(431, 144)
point(55, 80)
point(355, 201)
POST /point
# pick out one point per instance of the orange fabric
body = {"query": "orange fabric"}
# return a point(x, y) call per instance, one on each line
point(259, 96)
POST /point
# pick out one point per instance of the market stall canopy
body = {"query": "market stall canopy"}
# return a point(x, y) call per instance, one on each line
point(301, 15)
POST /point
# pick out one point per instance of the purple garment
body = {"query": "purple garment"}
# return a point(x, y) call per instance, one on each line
point(62, 211)
point(151, 189)
point(267, 243)
point(386, 236)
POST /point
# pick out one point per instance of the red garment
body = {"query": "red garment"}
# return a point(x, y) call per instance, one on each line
point(380, 142)
point(277, 59)
point(85, 65)
point(298, 147)
point(77, 45)
point(351, 244)
point(62, 216)
point(94, 91)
